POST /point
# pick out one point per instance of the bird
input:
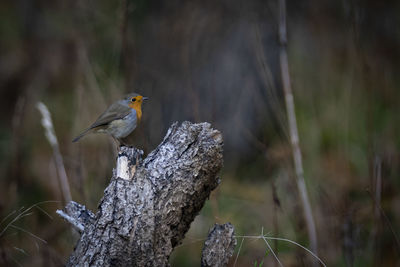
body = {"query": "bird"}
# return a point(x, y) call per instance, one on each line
point(119, 120)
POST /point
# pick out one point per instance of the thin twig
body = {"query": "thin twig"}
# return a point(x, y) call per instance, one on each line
point(21, 250)
point(268, 80)
point(378, 184)
point(9, 215)
point(29, 233)
point(23, 213)
point(294, 136)
point(269, 247)
point(377, 180)
point(282, 239)
point(396, 238)
point(275, 212)
point(51, 137)
point(297, 244)
point(45, 212)
point(71, 220)
point(237, 255)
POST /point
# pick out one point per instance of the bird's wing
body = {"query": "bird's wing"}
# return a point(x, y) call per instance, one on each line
point(114, 112)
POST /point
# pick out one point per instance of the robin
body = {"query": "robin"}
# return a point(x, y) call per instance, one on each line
point(119, 120)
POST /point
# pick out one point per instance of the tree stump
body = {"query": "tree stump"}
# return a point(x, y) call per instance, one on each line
point(149, 204)
point(219, 246)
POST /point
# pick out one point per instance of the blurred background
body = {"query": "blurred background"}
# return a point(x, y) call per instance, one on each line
point(214, 61)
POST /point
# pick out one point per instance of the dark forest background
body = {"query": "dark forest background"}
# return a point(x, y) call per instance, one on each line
point(214, 61)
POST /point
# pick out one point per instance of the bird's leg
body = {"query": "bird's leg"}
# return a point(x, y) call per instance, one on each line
point(118, 144)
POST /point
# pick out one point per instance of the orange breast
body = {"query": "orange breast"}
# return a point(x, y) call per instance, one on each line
point(138, 107)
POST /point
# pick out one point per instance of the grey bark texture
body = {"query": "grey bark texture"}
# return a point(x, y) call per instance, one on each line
point(77, 215)
point(149, 204)
point(219, 246)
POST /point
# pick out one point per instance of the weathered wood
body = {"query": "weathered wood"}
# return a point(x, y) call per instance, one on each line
point(149, 204)
point(219, 246)
point(77, 215)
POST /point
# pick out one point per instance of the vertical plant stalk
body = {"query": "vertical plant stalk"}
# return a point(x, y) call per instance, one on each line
point(275, 216)
point(376, 230)
point(51, 137)
point(378, 186)
point(294, 136)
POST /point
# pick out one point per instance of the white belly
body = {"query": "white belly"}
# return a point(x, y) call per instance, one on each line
point(123, 127)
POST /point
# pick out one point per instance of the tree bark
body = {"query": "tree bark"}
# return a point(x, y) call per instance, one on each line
point(149, 204)
point(219, 246)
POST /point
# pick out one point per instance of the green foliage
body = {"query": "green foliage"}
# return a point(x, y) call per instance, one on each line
point(262, 261)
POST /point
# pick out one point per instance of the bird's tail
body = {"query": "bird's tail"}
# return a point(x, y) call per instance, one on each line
point(81, 135)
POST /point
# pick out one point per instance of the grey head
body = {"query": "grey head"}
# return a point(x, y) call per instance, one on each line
point(132, 97)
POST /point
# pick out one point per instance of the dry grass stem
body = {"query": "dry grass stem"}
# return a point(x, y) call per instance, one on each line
point(294, 136)
point(237, 255)
point(51, 137)
point(264, 237)
point(270, 248)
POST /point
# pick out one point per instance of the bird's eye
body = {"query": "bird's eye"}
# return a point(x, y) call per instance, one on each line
point(133, 99)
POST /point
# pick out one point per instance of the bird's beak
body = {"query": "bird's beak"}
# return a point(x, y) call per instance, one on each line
point(145, 98)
